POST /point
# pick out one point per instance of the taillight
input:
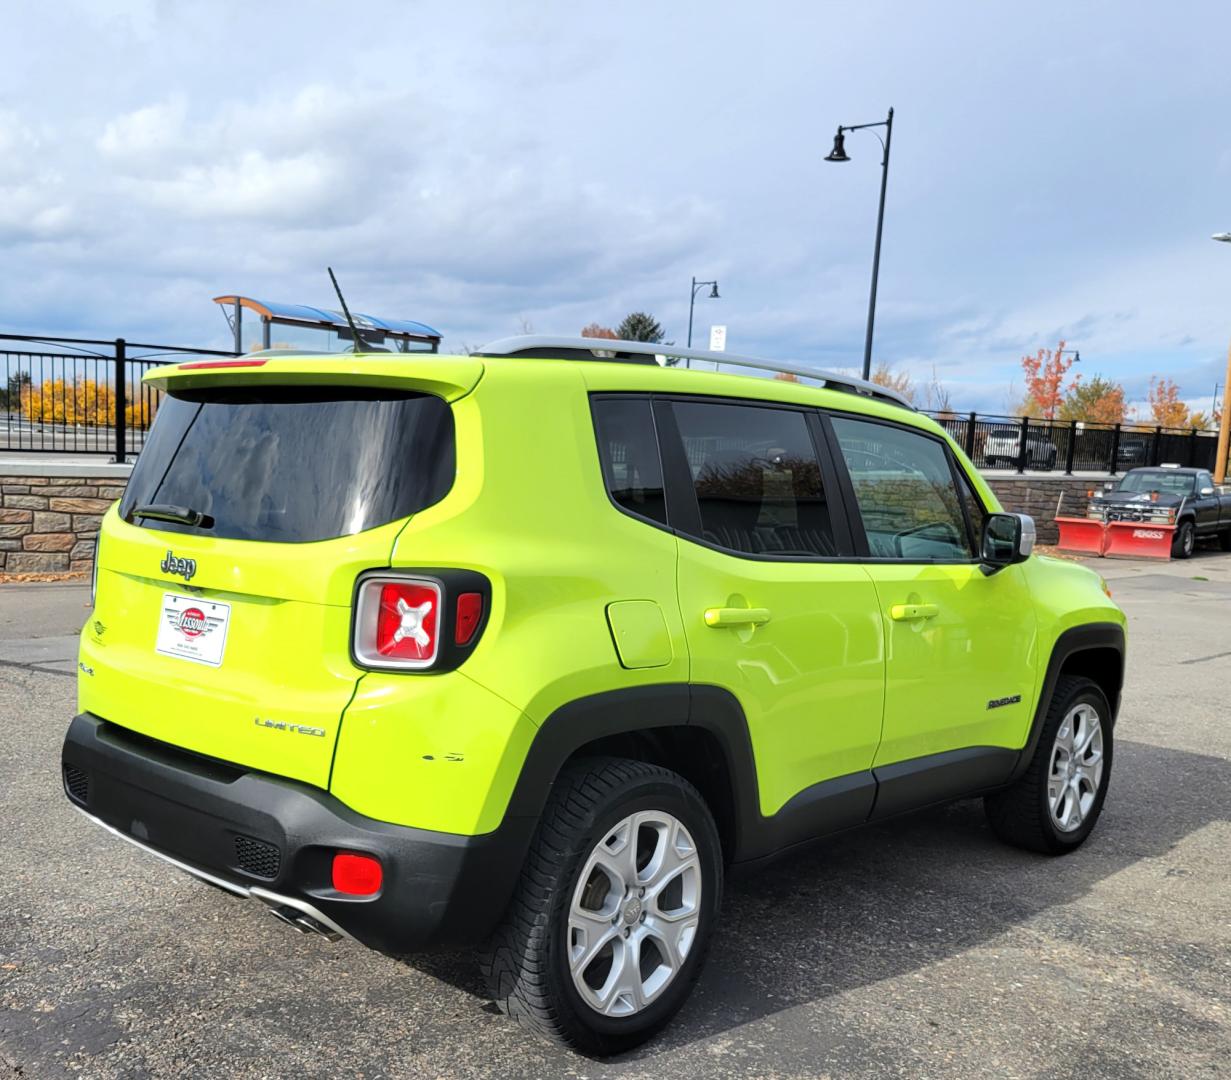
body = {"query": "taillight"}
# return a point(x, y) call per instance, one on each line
point(397, 623)
point(355, 874)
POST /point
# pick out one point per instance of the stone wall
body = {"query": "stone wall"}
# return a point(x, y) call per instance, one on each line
point(1037, 496)
point(48, 521)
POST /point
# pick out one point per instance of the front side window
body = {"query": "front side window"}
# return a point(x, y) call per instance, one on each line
point(756, 478)
point(628, 451)
point(905, 491)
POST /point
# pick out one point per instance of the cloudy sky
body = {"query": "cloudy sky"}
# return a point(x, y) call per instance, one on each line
point(1057, 171)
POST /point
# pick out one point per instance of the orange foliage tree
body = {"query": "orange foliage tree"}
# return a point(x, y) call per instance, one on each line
point(900, 381)
point(1099, 401)
point(1166, 408)
point(80, 402)
point(1045, 372)
point(594, 330)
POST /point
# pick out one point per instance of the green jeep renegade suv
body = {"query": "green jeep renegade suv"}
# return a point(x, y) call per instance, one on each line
point(524, 649)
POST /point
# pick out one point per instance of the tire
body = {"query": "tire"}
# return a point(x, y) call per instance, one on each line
point(1224, 539)
point(1185, 541)
point(594, 805)
point(1023, 814)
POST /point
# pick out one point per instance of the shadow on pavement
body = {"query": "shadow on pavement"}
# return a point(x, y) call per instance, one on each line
point(881, 902)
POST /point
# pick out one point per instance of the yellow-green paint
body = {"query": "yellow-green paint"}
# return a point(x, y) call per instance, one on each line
point(838, 666)
point(640, 633)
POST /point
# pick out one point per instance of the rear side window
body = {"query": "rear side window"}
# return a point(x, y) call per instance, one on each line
point(757, 479)
point(628, 450)
point(907, 500)
point(293, 465)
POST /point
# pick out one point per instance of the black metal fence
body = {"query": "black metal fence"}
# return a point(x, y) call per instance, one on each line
point(1022, 443)
point(74, 398)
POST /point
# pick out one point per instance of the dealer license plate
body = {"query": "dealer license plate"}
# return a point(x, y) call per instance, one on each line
point(192, 629)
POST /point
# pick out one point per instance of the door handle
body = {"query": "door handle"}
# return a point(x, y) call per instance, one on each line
point(736, 616)
point(903, 612)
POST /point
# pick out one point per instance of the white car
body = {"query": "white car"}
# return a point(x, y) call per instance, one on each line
point(1004, 444)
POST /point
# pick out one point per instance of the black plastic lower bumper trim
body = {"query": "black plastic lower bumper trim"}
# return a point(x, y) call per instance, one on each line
point(438, 888)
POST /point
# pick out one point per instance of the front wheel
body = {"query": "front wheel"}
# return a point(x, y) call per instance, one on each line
point(1053, 807)
point(608, 929)
point(1185, 541)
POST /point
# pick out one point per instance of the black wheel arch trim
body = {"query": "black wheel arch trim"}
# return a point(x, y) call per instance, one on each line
point(1070, 643)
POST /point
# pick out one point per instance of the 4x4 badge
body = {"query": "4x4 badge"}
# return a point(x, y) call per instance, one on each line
point(172, 564)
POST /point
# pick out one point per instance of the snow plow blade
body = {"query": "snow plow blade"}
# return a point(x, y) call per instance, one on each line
point(1137, 540)
point(1086, 536)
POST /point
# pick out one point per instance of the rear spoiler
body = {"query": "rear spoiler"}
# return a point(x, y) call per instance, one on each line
point(448, 377)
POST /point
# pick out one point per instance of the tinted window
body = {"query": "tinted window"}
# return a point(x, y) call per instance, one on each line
point(628, 450)
point(294, 465)
point(757, 479)
point(905, 491)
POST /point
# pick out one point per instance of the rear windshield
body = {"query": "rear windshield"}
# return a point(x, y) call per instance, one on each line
point(293, 465)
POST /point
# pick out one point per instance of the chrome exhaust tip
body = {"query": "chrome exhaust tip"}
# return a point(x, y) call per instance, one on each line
point(303, 923)
point(291, 917)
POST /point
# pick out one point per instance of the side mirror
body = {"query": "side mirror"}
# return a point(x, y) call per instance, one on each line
point(1007, 539)
point(1207, 491)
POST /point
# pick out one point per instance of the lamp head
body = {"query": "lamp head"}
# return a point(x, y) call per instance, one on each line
point(714, 292)
point(1223, 236)
point(838, 153)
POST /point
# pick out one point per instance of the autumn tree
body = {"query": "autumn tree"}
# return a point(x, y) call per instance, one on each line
point(639, 326)
point(594, 330)
point(1166, 408)
point(1045, 372)
point(900, 381)
point(1099, 401)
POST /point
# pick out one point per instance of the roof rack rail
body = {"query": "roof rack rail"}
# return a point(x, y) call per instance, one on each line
point(648, 352)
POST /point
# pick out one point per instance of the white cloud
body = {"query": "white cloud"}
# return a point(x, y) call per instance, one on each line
point(151, 132)
point(274, 191)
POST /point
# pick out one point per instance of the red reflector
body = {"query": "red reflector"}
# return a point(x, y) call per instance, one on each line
point(469, 612)
point(356, 875)
point(406, 621)
point(197, 365)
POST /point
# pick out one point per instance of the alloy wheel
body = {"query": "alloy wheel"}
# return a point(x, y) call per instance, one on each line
point(634, 913)
point(1076, 767)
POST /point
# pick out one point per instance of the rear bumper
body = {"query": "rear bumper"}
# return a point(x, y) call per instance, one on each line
point(273, 840)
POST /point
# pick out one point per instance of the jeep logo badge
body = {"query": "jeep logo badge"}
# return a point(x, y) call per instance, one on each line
point(172, 564)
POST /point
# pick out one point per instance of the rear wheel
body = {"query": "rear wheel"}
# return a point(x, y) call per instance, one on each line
point(1053, 807)
point(611, 920)
point(1224, 539)
point(1184, 542)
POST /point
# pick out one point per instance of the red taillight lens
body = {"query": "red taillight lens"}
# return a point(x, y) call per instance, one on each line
point(397, 624)
point(357, 875)
point(469, 612)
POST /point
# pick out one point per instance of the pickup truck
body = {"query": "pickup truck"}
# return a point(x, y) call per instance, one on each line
point(1169, 495)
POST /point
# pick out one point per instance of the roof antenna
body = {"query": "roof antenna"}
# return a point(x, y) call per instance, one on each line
point(346, 311)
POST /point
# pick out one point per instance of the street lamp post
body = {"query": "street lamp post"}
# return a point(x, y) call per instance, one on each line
point(1224, 422)
point(838, 153)
point(692, 300)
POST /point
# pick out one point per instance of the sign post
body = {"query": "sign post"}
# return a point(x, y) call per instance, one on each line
point(718, 340)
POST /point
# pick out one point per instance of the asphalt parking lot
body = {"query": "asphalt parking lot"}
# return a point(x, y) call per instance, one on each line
point(922, 948)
